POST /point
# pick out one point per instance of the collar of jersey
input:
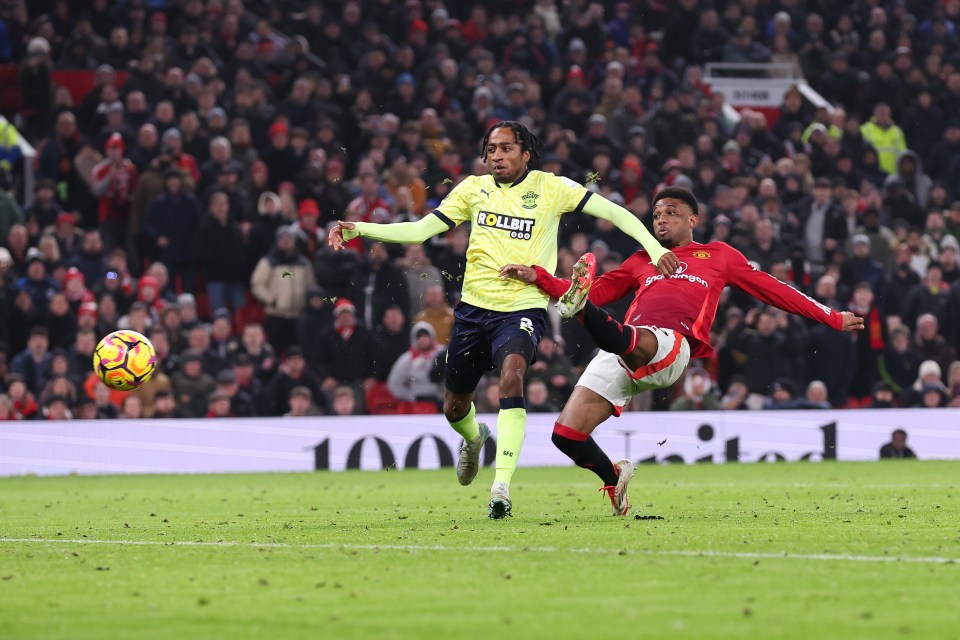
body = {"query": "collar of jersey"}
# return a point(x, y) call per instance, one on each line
point(519, 180)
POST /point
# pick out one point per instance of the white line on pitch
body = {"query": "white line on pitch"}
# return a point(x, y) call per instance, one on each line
point(417, 547)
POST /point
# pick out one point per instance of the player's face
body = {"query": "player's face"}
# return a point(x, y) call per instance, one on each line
point(506, 159)
point(673, 222)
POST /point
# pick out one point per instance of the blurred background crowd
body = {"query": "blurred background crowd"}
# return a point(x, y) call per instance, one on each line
point(185, 191)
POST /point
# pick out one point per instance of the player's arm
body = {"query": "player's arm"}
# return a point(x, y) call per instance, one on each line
point(772, 291)
point(599, 207)
point(400, 232)
point(454, 209)
point(608, 288)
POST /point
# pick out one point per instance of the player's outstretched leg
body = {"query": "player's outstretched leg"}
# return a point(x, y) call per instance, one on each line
point(571, 303)
point(586, 410)
point(609, 335)
point(585, 452)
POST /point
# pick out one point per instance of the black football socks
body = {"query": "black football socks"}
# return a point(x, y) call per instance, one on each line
point(585, 452)
point(609, 334)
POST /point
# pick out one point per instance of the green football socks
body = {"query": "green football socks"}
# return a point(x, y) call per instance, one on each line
point(467, 425)
point(511, 426)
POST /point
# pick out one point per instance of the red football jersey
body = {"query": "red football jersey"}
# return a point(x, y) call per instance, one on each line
point(687, 301)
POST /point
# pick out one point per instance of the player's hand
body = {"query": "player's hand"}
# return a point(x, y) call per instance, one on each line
point(518, 272)
point(335, 237)
point(851, 321)
point(668, 263)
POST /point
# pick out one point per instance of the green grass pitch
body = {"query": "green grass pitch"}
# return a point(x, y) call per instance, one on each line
point(798, 550)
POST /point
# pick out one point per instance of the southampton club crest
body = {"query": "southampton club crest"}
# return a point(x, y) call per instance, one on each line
point(700, 254)
point(529, 200)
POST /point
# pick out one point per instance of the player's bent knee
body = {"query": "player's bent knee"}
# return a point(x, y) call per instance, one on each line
point(562, 436)
point(511, 386)
point(644, 351)
point(455, 406)
point(557, 440)
point(511, 378)
point(454, 413)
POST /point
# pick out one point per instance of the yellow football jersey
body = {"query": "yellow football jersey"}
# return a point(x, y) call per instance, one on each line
point(510, 224)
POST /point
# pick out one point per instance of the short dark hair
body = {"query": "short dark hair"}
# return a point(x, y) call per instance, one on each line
point(900, 432)
point(678, 193)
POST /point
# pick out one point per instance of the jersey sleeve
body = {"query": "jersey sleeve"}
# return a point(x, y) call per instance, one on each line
point(549, 283)
point(399, 232)
point(608, 288)
point(600, 207)
point(456, 208)
point(622, 281)
point(569, 196)
point(768, 289)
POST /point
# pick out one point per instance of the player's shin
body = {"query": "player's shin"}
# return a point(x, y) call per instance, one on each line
point(511, 426)
point(610, 335)
point(467, 426)
point(585, 452)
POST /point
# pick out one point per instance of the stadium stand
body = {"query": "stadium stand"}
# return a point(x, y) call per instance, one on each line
point(198, 148)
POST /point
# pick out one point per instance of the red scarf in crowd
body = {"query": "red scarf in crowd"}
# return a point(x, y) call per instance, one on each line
point(345, 330)
point(428, 354)
point(875, 329)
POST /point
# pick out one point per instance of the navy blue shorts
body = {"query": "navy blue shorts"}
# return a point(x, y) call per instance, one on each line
point(483, 338)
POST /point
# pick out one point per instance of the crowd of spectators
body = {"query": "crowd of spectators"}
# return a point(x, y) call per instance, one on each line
point(189, 193)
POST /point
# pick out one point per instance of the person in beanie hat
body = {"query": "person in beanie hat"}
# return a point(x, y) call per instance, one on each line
point(309, 235)
point(75, 288)
point(279, 157)
point(87, 315)
point(113, 182)
point(280, 282)
point(415, 376)
point(148, 292)
point(346, 352)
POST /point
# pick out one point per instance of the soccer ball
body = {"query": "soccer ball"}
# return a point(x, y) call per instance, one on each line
point(124, 360)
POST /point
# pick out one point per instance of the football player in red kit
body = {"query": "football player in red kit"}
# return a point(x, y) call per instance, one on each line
point(667, 324)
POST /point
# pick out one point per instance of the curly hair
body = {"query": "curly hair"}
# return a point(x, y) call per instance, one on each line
point(527, 140)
